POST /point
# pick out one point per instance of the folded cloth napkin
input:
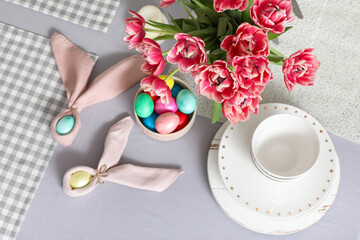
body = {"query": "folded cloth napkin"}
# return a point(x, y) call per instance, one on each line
point(75, 66)
point(109, 168)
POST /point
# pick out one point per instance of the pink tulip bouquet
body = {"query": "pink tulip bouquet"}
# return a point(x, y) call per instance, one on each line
point(224, 45)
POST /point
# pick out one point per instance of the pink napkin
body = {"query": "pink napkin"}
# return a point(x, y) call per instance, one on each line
point(109, 168)
point(75, 66)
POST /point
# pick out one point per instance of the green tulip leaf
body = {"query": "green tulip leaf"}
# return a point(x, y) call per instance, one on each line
point(206, 32)
point(245, 16)
point(235, 15)
point(216, 112)
point(230, 29)
point(163, 26)
point(272, 36)
point(175, 23)
point(222, 26)
point(276, 52)
point(189, 25)
point(164, 37)
point(209, 11)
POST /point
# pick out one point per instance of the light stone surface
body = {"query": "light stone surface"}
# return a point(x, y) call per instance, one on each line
point(332, 28)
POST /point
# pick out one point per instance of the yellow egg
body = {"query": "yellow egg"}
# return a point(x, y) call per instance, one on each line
point(170, 82)
point(80, 179)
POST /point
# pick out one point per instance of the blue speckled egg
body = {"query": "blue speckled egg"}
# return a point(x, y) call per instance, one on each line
point(186, 101)
point(175, 90)
point(149, 122)
point(65, 125)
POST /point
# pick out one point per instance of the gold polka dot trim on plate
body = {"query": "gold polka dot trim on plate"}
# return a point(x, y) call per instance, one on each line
point(305, 206)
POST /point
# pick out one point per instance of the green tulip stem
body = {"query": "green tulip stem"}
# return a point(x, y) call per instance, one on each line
point(158, 31)
point(171, 74)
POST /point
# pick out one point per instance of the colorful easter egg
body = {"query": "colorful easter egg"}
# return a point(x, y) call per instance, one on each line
point(65, 125)
point(167, 122)
point(144, 106)
point(175, 90)
point(80, 179)
point(162, 108)
point(183, 120)
point(154, 98)
point(149, 122)
point(170, 82)
point(186, 101)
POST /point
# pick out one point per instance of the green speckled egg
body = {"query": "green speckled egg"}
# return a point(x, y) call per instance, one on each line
point(144, 105)
point(186, 101)
point(65, 125)
point(80, 179)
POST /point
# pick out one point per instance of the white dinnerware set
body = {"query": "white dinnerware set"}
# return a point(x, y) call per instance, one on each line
point(276, 173)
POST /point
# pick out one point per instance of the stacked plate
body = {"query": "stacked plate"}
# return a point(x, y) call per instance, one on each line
point(277, 173)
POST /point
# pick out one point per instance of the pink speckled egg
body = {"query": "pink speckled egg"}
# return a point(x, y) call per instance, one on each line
point(161, 108)
point(167, 122)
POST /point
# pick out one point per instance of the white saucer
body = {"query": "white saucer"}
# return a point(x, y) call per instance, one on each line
point(246, 214)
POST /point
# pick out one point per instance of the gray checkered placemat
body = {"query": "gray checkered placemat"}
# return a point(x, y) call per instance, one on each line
point(31, 95)
point(95, 14)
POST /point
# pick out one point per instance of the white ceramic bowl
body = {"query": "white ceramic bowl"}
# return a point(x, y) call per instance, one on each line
point(284, 147)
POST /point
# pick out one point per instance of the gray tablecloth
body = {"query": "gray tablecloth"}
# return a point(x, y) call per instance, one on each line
point(187, 210)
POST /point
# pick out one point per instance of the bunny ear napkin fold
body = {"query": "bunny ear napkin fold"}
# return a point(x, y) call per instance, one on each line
point(81, 180)
point(75, 66)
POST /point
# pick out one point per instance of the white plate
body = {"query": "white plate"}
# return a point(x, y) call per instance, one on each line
point(251, 219)
point(265, 196)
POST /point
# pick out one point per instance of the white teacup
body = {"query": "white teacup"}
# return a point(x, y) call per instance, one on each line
point(284, 147)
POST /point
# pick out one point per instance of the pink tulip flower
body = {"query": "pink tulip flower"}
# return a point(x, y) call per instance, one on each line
point(134, 28)
point(189, 52)
point(271, 14)
point(151, 52)
point(300, 68)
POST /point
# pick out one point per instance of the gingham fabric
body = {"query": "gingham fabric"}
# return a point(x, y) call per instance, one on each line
point(95, 14)
point(31, 95)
